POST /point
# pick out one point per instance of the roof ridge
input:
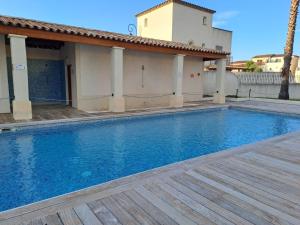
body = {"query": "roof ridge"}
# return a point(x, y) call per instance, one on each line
point(181, 2)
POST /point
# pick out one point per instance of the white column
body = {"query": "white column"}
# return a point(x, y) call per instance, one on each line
point(177, 98)
point(4, 92)
point(21, 104)
point(219, 97)
point(117, 101)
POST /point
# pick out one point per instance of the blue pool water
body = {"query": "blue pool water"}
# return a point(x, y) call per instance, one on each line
point(40, 163)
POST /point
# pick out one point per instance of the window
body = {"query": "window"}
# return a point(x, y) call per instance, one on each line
point(146, 22)
point(203, 45)
point(204, 20)
point(219, 48)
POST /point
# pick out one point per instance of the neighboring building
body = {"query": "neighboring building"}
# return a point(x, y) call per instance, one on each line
point(275, 62)
point(238, 66)
point(94, 70)
point(180, 21)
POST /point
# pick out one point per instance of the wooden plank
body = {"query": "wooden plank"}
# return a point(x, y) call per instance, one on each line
point(52, 220)
point(148, 207)
point(251, 201)
point(178, 204)
point(260, 195)
point(69, 217)
point(139, 214)
point(195, 205)
point(272, 162)
point(228, 202)
point(283, 153)
point(103, 214)
point(166, 208)
point(203, 205)
point(263, 184)
point(86, 215)
point(272, 180)
point(123, 216)
point(267, 171)
point(35, 222)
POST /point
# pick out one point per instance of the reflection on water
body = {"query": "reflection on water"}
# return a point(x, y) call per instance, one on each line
point(280, 126)
point(118, 148)
point(26, 164)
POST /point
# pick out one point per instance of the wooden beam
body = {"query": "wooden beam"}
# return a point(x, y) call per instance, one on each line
point(47, 35)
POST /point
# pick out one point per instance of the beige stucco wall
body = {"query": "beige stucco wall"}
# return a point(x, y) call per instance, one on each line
point(93, 73)
point(188, 26)
point(193, 71)
point(175, 22)
point(159, 23)
point(150, 87)
point(221, 38)
point(154, 81)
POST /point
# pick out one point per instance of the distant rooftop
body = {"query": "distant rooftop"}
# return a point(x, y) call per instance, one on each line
point(271, 56)
point(240, 62)
point(268, 56)
point(181, 2)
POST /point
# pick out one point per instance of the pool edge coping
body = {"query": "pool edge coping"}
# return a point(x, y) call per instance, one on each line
point(110, 116)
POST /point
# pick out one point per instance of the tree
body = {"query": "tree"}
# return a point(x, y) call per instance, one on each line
point(288, 51)
point(252, 67)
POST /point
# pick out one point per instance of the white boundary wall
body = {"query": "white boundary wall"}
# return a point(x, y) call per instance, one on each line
point(209, 83)
point(262, 85)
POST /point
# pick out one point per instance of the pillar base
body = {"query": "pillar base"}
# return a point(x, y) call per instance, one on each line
point(4, 106)
point(22, 110)
point(176, 101)
point(117, 104)
point(219, 99)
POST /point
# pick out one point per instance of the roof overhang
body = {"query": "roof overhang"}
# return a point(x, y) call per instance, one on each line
point(74, 38)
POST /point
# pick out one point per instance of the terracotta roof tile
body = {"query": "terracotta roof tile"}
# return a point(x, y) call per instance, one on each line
point(59, 28)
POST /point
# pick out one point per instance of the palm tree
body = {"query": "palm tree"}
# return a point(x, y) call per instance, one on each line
point(288, 51)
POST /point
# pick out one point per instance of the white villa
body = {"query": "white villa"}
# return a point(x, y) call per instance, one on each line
point(275, 63)
point(94, 70)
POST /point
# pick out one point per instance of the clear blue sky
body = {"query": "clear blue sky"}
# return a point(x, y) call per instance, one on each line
point(259, 26)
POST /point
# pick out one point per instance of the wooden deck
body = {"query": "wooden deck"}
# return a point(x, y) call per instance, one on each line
point(256, 184)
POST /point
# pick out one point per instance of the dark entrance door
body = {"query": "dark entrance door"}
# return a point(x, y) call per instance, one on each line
point(69, 72)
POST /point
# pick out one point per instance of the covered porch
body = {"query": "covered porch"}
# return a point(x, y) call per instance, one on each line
point(95, 74)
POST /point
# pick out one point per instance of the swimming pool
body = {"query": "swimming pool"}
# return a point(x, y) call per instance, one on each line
point(39, 163)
